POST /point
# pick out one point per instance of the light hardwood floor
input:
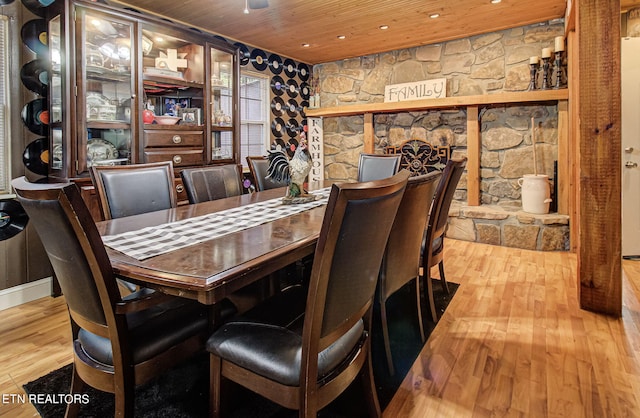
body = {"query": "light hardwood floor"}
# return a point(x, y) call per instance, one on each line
point(513, 342)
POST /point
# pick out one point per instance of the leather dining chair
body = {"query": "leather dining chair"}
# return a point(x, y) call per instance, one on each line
point(203, 184)
point(401, 261)
point(377, 166)
point(303, 354)
point(126, 190)
point(258, 166)
point(118, 343)
point(433, 249)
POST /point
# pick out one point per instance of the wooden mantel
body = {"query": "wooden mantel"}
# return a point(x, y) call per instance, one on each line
point(472, 104)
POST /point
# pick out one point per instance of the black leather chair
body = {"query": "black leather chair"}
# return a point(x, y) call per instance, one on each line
point(118, 343)
point(213, 182)
point(401, 262)
point(126, 190)
point(433, 249)
point(258, 167)
point(377, 166)
point(303, 355)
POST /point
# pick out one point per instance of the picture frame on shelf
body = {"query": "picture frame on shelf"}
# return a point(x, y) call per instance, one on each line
point(190, 115)
point(171, 105)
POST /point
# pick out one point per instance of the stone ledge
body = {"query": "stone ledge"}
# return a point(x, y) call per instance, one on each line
point(497, 225)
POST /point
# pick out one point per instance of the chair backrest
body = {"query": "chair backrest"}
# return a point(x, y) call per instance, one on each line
point(213, 182)
point(126, 190)
point(75, 250)
point(401, 262)
point(259, 166)
point(421, 157)
point(377, 166)
point(347, 259)
point(444, 195)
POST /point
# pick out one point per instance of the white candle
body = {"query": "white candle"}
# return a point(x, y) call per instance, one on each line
point(546, 52)
point(559, 44)
point(533, 60)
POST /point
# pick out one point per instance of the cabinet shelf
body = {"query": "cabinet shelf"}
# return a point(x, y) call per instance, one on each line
point(170, 83)
point(108, 124)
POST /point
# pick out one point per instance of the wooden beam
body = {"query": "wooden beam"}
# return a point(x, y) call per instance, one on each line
point(599, 165)
point(368, 136)
point(574, 138)
point(564, 159)
point(473, 156)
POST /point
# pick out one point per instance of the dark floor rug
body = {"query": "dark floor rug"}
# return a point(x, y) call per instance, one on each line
point(183, 391)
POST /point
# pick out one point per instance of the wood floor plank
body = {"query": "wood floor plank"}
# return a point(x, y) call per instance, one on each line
point(512, 343)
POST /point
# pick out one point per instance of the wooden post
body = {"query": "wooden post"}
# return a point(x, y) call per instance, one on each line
point(599, 164)
point(473, 156)
point(369, 137)
point(564, 159)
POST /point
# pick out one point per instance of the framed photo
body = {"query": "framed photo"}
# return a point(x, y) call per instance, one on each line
point(190, 115)
point(172, 104)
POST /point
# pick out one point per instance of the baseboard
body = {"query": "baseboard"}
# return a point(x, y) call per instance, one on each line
point(17, 295)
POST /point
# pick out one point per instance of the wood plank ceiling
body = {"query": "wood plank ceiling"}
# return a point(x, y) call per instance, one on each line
point(285, 25)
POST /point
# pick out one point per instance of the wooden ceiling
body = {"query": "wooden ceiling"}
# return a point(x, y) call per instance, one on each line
point(286, 25)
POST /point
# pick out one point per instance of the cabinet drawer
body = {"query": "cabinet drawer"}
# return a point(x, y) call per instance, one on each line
point(173, 138)
point(180, 157)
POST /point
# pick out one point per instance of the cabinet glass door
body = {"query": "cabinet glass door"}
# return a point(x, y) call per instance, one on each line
point(222, 117)
point(55, 94)
point(105, 90)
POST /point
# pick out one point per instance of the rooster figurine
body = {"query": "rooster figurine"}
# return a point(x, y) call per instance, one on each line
point(294, 171)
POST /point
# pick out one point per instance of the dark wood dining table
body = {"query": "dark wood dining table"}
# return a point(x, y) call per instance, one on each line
point(211, 270)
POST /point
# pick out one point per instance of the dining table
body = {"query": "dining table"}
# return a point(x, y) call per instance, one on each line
point(207, 251)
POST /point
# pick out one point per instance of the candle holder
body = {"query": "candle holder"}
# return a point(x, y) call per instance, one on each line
point(545, 73)
point(558, 70)
point(533, 72)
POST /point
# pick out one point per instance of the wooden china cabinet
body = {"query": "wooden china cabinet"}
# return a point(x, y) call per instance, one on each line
point(130, 88)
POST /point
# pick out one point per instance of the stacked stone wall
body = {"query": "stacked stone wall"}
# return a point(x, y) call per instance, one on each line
point(479, 65)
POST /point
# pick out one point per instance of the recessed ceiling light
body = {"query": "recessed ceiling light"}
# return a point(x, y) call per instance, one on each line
point(384, 27)
point(495, 1)
point(341, 37)
point(305, 45)
point(434, 15)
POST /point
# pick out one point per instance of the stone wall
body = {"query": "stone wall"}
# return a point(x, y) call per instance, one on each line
point(484, 64)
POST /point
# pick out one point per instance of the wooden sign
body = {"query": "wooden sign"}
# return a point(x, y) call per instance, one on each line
point(315, 141)
point(417, 90)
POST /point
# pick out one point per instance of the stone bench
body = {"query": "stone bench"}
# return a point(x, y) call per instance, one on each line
point(497, 225)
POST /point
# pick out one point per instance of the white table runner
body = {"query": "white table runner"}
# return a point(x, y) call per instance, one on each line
point(151, 241)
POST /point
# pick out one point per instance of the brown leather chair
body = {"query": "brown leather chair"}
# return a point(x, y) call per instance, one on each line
point(303, 355)
point(377, 166)
point(118, 343)
point(401, 262)
point(126, 190)
point(258, 167)
point(433, 249)
point(213, 182)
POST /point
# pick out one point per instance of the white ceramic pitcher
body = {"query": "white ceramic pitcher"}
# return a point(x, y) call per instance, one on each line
point(536, 193)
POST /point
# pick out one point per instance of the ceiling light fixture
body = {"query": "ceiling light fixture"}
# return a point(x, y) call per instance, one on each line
point(341, 37)
point(495, 1)
point(384, 27)
point(434, 15)
point(305, 45)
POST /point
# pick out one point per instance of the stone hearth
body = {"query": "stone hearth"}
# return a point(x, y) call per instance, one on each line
point(497, 225)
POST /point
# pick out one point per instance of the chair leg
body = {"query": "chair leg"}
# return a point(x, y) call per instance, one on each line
point(428, 288)
point(369, 385)
point(443, 279)
point(215, 379)
point(419, 309)
point(385, 335)
point(125, 399)
point(73, 408)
